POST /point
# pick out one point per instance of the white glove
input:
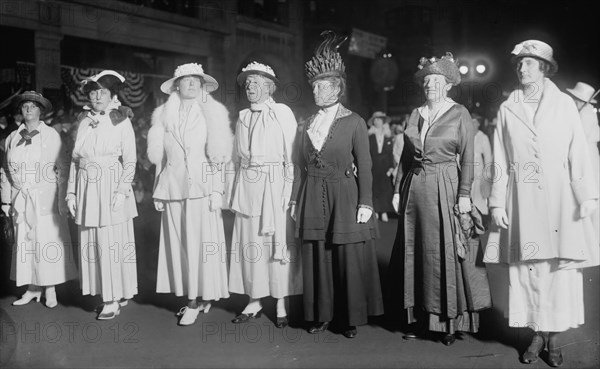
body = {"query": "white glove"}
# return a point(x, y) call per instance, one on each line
point(6, 210)
point(396, 202)
point(216, 201)
point(464, 204)
point(159, 205)
point(280, 255)
point(293, 211)
point(499, 217)
point(588, 207)
point(117, 201)
point(363, 215)
point(285, 203)
point(72, 204)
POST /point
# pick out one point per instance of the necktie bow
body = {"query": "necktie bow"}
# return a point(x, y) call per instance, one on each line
point(26, 136)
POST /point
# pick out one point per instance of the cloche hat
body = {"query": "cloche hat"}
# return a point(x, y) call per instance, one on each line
point(536, 49)
point(446, 66)
point(379, 114)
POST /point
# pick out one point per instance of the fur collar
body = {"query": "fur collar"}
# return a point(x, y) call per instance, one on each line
point(219, 142)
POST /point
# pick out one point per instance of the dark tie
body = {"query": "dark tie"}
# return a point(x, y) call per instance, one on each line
point(26, 136)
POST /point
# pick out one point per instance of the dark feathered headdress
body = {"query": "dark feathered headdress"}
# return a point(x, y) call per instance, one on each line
point(327, 61)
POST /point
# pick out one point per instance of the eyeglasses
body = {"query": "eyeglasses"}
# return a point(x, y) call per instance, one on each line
point(98, 93)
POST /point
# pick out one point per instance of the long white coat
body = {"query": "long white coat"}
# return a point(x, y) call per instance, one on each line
point(542, 175)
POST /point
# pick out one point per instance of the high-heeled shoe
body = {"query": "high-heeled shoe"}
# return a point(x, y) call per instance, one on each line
point(188, 315)
point(533, 351)
point(27, 297)
point(50, 295)
point(205, 307)
point(110, 311)
point(245, 317)
point(318, 328)
point(448, 339)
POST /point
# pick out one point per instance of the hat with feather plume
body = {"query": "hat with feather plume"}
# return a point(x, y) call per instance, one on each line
point(327, 61)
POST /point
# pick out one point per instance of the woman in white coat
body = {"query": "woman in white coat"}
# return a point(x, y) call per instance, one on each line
point(33, 185)
point(189, 141)
point(100, 197)
point(542, 196)
point(264, 258)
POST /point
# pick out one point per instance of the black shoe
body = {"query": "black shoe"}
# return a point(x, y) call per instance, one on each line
point(318, 328)
point(351, 332)
point(448, 339)
point(555, 357)
point(281, 322)
point(410, 336)
point(243, 318)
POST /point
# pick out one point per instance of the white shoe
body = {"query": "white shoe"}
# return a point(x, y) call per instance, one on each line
point(123, 302)
point(188, 315)
point(205, 307)
point(384, 217)
point(109, 311)
point(50, 294)
point(28, 296)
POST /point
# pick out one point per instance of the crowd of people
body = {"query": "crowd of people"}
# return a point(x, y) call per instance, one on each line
point(306, 201)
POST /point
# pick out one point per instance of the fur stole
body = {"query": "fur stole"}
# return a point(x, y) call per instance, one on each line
point(219, 141)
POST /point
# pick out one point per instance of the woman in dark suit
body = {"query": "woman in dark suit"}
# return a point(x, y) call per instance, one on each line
point(332, 205)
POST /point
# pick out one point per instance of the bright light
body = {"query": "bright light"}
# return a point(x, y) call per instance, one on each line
point(480, 68)
point(463, 69)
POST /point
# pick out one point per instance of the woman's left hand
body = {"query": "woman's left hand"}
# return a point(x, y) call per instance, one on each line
point(464, 204)
point(363, 215)
point(216, 201)
point(117, 201)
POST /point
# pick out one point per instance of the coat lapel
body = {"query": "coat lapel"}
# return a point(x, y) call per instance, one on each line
point(514, 104)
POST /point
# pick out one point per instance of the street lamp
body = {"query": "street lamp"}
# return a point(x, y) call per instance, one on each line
point(463, 69)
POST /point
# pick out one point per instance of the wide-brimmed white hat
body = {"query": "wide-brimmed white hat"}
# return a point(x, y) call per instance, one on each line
point(256, 68)
point(209, 84)
point(583, 92)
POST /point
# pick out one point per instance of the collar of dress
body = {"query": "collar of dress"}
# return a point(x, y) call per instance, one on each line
point(446, 105)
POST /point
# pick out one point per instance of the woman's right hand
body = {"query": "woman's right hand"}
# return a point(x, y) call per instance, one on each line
point(6, 210)
point(159, 205)
point(396, 201)
point(499, 217)
point(293, 211)
point(72, 204)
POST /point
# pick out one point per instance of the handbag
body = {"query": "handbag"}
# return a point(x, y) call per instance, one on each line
point(8, 230)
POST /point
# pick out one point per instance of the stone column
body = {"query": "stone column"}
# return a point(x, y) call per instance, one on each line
point(47, 60)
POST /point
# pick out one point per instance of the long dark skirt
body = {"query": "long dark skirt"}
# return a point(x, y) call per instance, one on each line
point(438, 288)
point(341, 280)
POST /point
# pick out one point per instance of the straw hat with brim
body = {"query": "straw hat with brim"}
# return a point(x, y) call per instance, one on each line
point(259, 69)
point(209, 84)
point(584, 92)
point(535, 49)
point(446, 66)
point(35, 97)
point(379, 114)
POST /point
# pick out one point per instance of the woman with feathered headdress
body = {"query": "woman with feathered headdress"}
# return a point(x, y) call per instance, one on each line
point(332, 204)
